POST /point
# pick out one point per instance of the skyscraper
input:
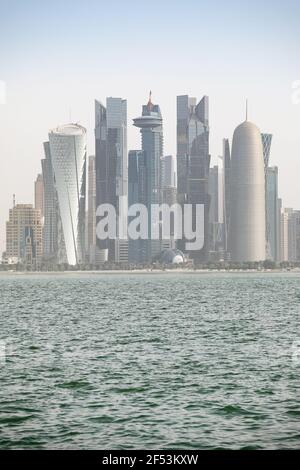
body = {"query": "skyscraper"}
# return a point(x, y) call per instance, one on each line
point(284, 234)
point(150, 123)
point(24, 235)
point(91, 217)
point(273, 214)
point(169, 176)
point(213, 187)
point(216, 226)
point(39, 194)
point(68, 154)
point(137, 194)
point(267, 142)
point(51, 209)
point(193, 160)
point(226, 190)
point(294, 236)
point(112, 169)
point(247, 222)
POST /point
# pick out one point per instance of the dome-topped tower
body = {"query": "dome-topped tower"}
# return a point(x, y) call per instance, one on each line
point(247, 223)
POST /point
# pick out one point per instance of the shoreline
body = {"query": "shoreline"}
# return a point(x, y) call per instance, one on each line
point(152, 271)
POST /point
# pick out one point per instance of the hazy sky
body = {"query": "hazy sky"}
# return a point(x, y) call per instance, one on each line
point(56, 57)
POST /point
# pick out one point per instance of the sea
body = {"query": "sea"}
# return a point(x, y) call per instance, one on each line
point(170, 360)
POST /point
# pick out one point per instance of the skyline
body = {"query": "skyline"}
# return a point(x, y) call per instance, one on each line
point(237, 55)
point(149, 228)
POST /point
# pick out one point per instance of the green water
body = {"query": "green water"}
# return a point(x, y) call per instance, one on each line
point(124, 361)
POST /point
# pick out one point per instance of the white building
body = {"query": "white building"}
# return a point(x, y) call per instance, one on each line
point(284, 234)
point(68, 153)
point(247, 225)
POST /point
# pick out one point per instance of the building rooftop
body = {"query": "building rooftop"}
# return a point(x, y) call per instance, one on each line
point(69, 129)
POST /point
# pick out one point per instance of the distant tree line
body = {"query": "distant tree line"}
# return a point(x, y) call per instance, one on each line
point(110, 266)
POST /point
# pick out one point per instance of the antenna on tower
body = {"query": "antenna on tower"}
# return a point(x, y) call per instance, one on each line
point(246, 109)
point(150, 105)
point(14, 200)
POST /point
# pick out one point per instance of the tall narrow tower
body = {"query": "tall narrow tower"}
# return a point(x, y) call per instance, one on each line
point(247, 219)
point(68, 154)
point(111, 165)
point(193, 160)
point(150, 123)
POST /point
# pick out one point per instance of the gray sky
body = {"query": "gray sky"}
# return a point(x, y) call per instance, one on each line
point(57, 57)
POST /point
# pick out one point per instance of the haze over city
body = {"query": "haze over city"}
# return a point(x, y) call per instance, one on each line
point(56, 59)
point(149, 229)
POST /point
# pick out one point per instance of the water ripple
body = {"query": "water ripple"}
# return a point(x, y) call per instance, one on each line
point(150, 361)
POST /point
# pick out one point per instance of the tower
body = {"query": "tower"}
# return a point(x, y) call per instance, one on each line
point(68, 154)
point(111, 166)
point(150, 125)
point(247, 219)
point(193, 160)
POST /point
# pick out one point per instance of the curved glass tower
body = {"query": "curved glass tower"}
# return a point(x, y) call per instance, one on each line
point(68, 153)
point(247, 222)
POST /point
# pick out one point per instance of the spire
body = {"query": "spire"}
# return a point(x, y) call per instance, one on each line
point(150, 104)
point(246, 109)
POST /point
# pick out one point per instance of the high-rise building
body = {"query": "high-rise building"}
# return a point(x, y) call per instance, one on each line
point(91, 217)
point(24, 235)
point(169, 176)
point(279, 206)
point(112, 169)
point(169, 197)
point(216, 248)
point(213, 189)
point(39, 194)
point(137, 194)
point(51, 210)
point(193, 161)
point(68, 155)
point(150, 123)
point(297, 229)
point(273, 214)
point(137, 181)
point(284, 234)
point(267, 142)
point(294, 236)
point(247, 221)
point(226, 191)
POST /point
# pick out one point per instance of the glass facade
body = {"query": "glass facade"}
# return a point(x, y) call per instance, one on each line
point(267, 142)
point(53, 242)
point(273, 213)
point(226, 191)
point(111, 163)
point(68, 154)
point(150, 124)
point(193, 160)
point(137, 194)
